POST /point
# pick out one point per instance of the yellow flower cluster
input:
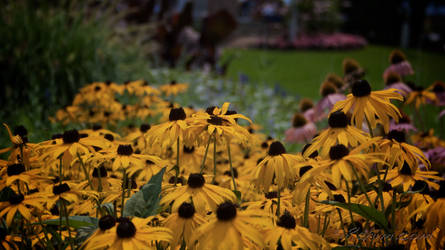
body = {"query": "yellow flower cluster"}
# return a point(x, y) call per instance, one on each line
point(225, 186)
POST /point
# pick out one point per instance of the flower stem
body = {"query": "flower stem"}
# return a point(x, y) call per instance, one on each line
point(369, 127)
point(306, 209)
point(231, 167)
point(124, 184)
point(87, 176)
point(362, 186)
point(214, 160)
point(177, 161)
point(349, 200)
point(205, 155)
point(343, 226)
point(67, 223)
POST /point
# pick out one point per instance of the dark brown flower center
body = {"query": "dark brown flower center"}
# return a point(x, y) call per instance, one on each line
point(361, 88)
point(287, 221)
point(396, 57)
point(100, 172)
point(196, 180)
point(235, 173)
point(330, 185)
point(15, 199)
point(338, 119)
point(397, 135)
point(298, 120)
point(313, 155)
point(189, 150)
point(107, 222)
point(61, 188)
point(109, 137)
point(271, 195)
point(209, 110)
point(125, 150)
point(186, 210)
point(125, 228)
point(338, 151)
point(144, 127)
point(71, 136)
point(177, 114)
point(304, 169)
point(226, 211)
point(327, 88)
point(15, 169)
point(406, 169)
point(96, 127)
point(339, 198)
point(276, 148)
point(305, 104)
point(215, 120)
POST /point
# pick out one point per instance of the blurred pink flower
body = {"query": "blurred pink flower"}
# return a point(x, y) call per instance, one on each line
point(402, 88)
point(402, 68)
point(441, 114)
point(302, 134)
point(326, 103)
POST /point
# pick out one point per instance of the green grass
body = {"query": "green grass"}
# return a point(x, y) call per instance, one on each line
point(301, 72)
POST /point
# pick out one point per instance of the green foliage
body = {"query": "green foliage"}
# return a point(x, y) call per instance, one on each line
point(366, 212)
point(146, 201)
point(74, 221)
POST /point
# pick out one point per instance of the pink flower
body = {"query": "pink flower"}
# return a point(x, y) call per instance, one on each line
point(326, 103)
point(402, 68)
point(402, 88)
point(302, 134)
point(441, 114)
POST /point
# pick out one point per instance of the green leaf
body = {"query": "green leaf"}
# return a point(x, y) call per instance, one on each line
point(369, 213)
point(74, 221)
point(146, 201)
point(109, 207)
point(306, 209)
point(237, 194)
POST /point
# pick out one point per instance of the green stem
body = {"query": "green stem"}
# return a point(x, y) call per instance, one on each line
point(369, 127)
point(349, 200)
point(380, 191)
point(87, 176)
point(124, 184)
point(45, 232)
point(177, 161)
point(362, 186)
point(214, 159)
point(279, 202)
point(306, 209)
point(325, 223)
point(205, 155)
point(67, 223)
point(343, 226)
point(231, 167)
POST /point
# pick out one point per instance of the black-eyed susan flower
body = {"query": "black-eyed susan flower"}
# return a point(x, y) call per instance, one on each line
point(345, 163)
point(16, 172)
point(168, 133)
point(105, 223)
point(230, 229)
point(288, 235)
point(173, 88)
point(397, 152)
point(183, 224)
point(407, 177)
point(269, 202)
point(339, 132)
point(435, 217)
point(23, 204)
point(70, 146)
point(68, 192)
point(374, 106)
point(131, 234)
point(276, 164)
point(220, 123)
point(420, 96)
point(204, 196)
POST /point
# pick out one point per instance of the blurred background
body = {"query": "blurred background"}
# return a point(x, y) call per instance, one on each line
point(49, 49)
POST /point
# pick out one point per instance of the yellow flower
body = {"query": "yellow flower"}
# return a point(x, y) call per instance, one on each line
point(22, 204)
point(131, 234)
point(220, 123)
point(231, 228)
point(368, 104)
point(204, 196)
point(339, 132)
point(279, 164)
point(168, 133)
point(174, 88)
point(343, 163)
point(183, 224)
point(288, 234)
point(420, 96)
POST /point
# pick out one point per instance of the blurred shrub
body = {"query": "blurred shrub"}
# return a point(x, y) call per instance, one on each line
point(48, 50)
